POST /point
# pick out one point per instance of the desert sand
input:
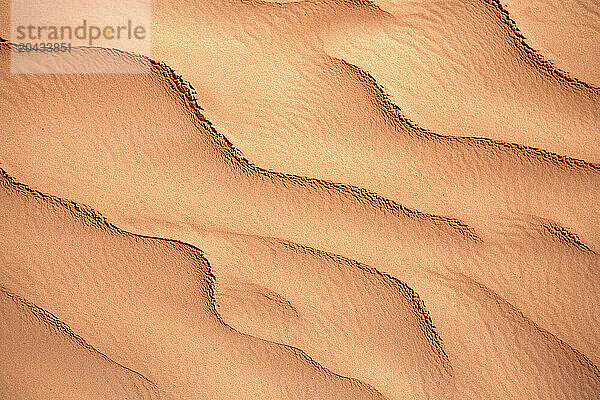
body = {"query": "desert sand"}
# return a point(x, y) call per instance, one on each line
point(42, 358)
point(372, 327)
point(549, 25)
point(335, 200)
point(359, 93)
point(146, 304)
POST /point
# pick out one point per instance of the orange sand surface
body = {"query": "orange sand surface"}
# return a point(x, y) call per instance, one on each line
point(335, 200)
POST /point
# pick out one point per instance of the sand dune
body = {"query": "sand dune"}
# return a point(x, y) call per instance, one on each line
point(41, 358)
point(146, 304)
point(348, 200)
point(180, 177)
point(305, 106)
point(296, 88)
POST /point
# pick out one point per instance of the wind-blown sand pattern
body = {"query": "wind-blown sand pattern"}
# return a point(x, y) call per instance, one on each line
point(335, 102)
point(549, 24)
point(41, 359)
point(147, 304)
point(348, 200)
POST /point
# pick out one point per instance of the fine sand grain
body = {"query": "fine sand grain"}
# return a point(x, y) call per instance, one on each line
point(336, 200)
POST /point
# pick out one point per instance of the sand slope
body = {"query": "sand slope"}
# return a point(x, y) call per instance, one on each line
point(146, 304)
point(549, 24)
point(42, 359)
point(353, 318)
point(335, 231)
point(297, 88)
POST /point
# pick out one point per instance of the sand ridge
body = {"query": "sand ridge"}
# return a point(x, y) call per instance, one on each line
point(146, 303)
point(253, 278)
point(42, 358)
point(198, 181)
point(376, 202)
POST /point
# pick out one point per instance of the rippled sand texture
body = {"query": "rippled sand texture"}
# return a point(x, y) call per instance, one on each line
point(327, 90)
point(347, 201)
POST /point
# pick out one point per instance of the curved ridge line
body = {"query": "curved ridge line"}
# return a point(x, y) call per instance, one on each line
point(56, 325)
